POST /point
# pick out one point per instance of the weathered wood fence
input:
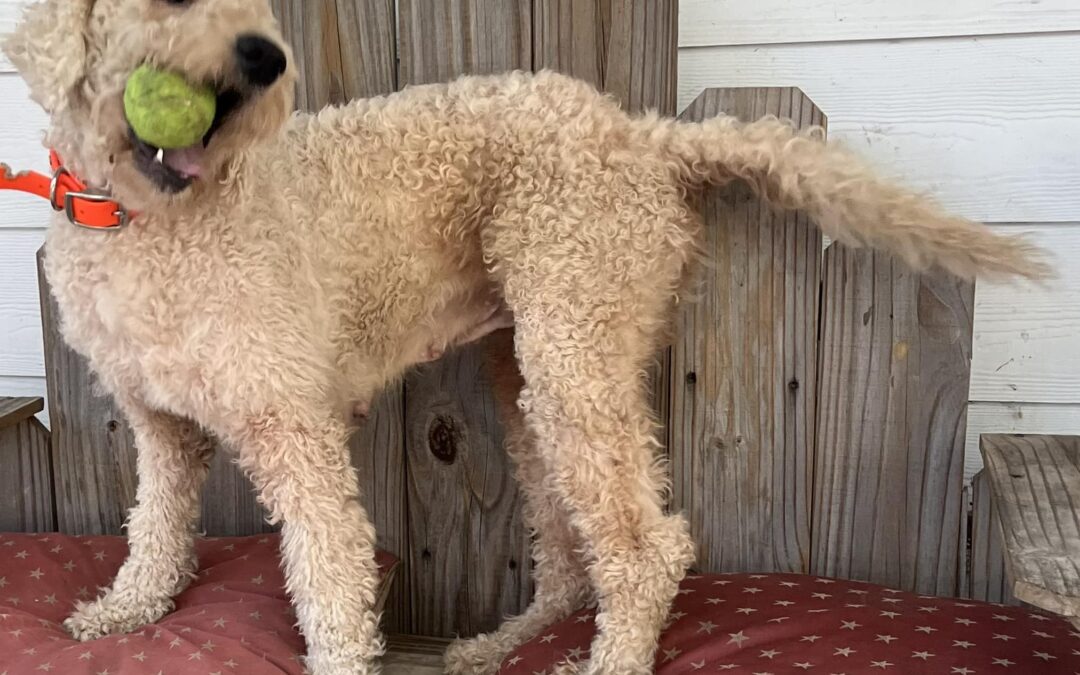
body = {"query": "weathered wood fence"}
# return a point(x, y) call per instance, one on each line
point(814, 406)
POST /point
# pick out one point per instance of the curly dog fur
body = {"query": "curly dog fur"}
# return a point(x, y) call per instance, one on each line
point(315, 257)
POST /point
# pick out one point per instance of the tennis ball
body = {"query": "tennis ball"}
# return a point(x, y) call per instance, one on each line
point(165, 110)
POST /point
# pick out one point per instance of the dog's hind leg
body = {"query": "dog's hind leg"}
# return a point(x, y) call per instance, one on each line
point(591, 300)
point(295, 453)
point(173, 455)
point(562, 584)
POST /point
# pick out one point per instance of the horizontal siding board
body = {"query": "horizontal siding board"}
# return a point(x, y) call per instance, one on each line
point(1015, 418)
point(740, 22)
point(988, 126)
point(20, 314)
point(1027, 337)
point(21, 147)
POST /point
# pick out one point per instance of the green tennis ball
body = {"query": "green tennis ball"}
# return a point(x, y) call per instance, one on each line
point(165, 110)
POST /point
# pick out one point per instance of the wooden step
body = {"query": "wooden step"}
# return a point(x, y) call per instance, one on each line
point(1035, 483)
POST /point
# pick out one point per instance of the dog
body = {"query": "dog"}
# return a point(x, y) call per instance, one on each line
point(281, 272)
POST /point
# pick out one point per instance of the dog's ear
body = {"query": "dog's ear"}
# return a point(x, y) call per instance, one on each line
point(48, 48)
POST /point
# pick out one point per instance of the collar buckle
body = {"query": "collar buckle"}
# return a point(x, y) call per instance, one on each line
point(68, 207)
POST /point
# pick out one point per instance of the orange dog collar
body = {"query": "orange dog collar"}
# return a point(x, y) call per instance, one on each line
point(67, 193)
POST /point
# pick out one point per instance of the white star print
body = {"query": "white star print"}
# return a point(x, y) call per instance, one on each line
point(1043, 655)
point(3, 582)
point(891, 615)
point(69, 566)
point(16, 633)
point(1004, 662)
point(1039, 617)
point(514, 661)
point(232, 664)
point(825, 581)
point(86, 656)
point(751, 590)
point(921, 655)
point(176, 642)
point(769, 653)
point(857, 591)
point(575, 653)
point(36, 574)
point(1039, 633)
point(784, 603)
point(706, 627)
point(962, 671)
point(698, 665)
point(1003, 617)
point(548, 638)
point(264, 540)
point(962, 644)
point(928, 609)
point(779, 619)
point(715, 601)
point(810, 638)
point(685, 591)
point(584, 618)
point(885, 638)
point(737, 638)
point(140, 657)
point(49, 599)
point(849, 625)
point(721, 582)
point(257, 580)
point(805, 665)
point(788, 584)
point(843, 651)
point(257, 615)
point(219, 622)
point(195, 656)
point(892, 590)
point(727, 666)
point(966, 622)
point(880, 664)
point(671, 654)
point(926, 629)
point(820, 596)
point(745, 610)
point(45, 666)
point(892, 600)
point(1002, 636)
point(21, 555)
point(56, 549)
point(208, 646)
point(100, 555)
point(675, 616)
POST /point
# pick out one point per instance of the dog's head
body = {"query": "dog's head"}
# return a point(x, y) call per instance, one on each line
point(76, 56)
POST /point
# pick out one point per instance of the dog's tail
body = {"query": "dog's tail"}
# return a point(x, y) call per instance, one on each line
point(851, 204)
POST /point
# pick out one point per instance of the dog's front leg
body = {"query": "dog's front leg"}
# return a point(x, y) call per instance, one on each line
point(300, 465)
point(173, 454)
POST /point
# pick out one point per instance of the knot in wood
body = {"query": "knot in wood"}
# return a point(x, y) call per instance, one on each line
point(443, 438)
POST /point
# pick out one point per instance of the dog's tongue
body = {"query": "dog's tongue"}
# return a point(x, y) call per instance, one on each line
point(188, 162)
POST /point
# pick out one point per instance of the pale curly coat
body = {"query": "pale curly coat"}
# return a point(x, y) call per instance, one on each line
point(324, 254)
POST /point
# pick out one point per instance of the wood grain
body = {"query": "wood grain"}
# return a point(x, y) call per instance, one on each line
point(468, 552)
point(1014, 418)
point(933, 113)
point(742, 384)
point(987, 578)
point(709, 22)
point(439, 41)
point(895, 358)
point(27, 503)
point(1035, 483)
point(14, 410)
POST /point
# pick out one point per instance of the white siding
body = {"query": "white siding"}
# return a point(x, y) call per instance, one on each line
point(976, 102)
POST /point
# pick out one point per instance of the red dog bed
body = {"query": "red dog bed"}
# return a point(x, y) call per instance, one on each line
point(234, 618)
point(778, 624)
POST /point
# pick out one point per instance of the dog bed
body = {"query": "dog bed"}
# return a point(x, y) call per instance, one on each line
point(235, 616)
point(781, 623)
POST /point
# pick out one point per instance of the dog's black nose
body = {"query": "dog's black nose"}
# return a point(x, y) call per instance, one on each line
point(261, 61)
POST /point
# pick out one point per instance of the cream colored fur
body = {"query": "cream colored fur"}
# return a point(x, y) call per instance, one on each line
point(324, 254)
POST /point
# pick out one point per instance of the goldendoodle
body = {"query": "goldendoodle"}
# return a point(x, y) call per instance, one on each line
point(290, 265)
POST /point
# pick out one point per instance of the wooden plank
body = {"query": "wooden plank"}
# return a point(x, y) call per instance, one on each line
point(895, 354)
point(14, 410)
point(467, 559)
point(93, 453)
point(1027, 337)
point(413, 655)
point(988, 580)
point(1035, 483)
point(934, 113)
point(469, 549)
point(26, 386)
point(438, 41)
point(743, 369)
point(344, 48)
point(709, 22)
point(627, 48)
point(1014, 418)
point(26, 483)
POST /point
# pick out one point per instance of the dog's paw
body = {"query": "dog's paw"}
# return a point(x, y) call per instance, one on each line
point(480, 655)
point(108, 617)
